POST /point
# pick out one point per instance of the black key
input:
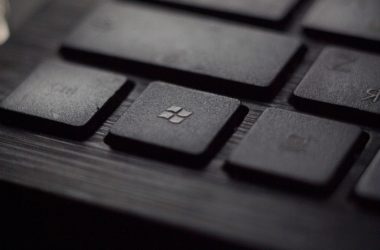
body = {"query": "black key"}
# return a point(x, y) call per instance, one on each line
point(356, 19)
point(297, 147)
point(368, 187)
point(184, 44)
point(270, 10)
point(64, 98)
point(344, 78)
point(172, 119)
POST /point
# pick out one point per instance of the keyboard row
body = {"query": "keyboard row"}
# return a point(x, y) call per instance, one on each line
point(182, 47)
point(186, 126)
point(223, 57)
point(357, 20)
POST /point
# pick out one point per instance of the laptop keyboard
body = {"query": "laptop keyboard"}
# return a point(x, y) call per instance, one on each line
point(208, 93)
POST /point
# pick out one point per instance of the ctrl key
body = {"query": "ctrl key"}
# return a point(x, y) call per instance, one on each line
point(65, 99)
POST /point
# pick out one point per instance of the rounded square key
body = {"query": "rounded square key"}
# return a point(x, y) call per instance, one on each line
point(64, 98)
point(295, 147)
point(344, 78)
point(177, 119)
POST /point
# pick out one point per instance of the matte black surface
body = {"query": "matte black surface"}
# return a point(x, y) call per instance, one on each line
point(137, 199)
point(357, 19)
point(344, 78)
point(64, 95)
point(294, 146)
point(175, 118)
point(369, 184)
point(272, 10)
point(179, 41)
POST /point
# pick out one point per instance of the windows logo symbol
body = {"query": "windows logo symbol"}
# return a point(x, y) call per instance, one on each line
point(175, 114)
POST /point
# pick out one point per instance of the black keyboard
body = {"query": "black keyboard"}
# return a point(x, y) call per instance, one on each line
point(204, 124)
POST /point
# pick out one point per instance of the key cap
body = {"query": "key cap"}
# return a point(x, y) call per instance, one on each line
point(344, 78)
point(368, 187)
point(356, 19)
point(184, 44)
point(270, 10)
point(64, 98)
point(295, 147)
point(179, 122)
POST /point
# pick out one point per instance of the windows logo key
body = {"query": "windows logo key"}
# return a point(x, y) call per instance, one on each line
point(175, 114)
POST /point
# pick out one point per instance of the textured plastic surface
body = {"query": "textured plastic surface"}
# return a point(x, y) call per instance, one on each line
point(176, 118)
point(295, 146)
point(179, 41)
point(345, 78)
point(59, 93)
point(354, 18)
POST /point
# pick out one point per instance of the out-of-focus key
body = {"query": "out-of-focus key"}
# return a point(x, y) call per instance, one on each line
point(355, 19)
point(269, 10)
point(368, 187)
point(181, 43)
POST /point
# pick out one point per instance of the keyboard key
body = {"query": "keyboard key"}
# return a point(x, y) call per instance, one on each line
point(183, 43)
point(358, 19)
point(295, 147)
point(368, 187)
point(172, 119)
point(64, 98)
point(345, 78)
point(269, 10)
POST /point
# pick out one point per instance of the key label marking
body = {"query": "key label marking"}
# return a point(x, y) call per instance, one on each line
point(295, 143)
point(175, 114)
point(373, 95)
